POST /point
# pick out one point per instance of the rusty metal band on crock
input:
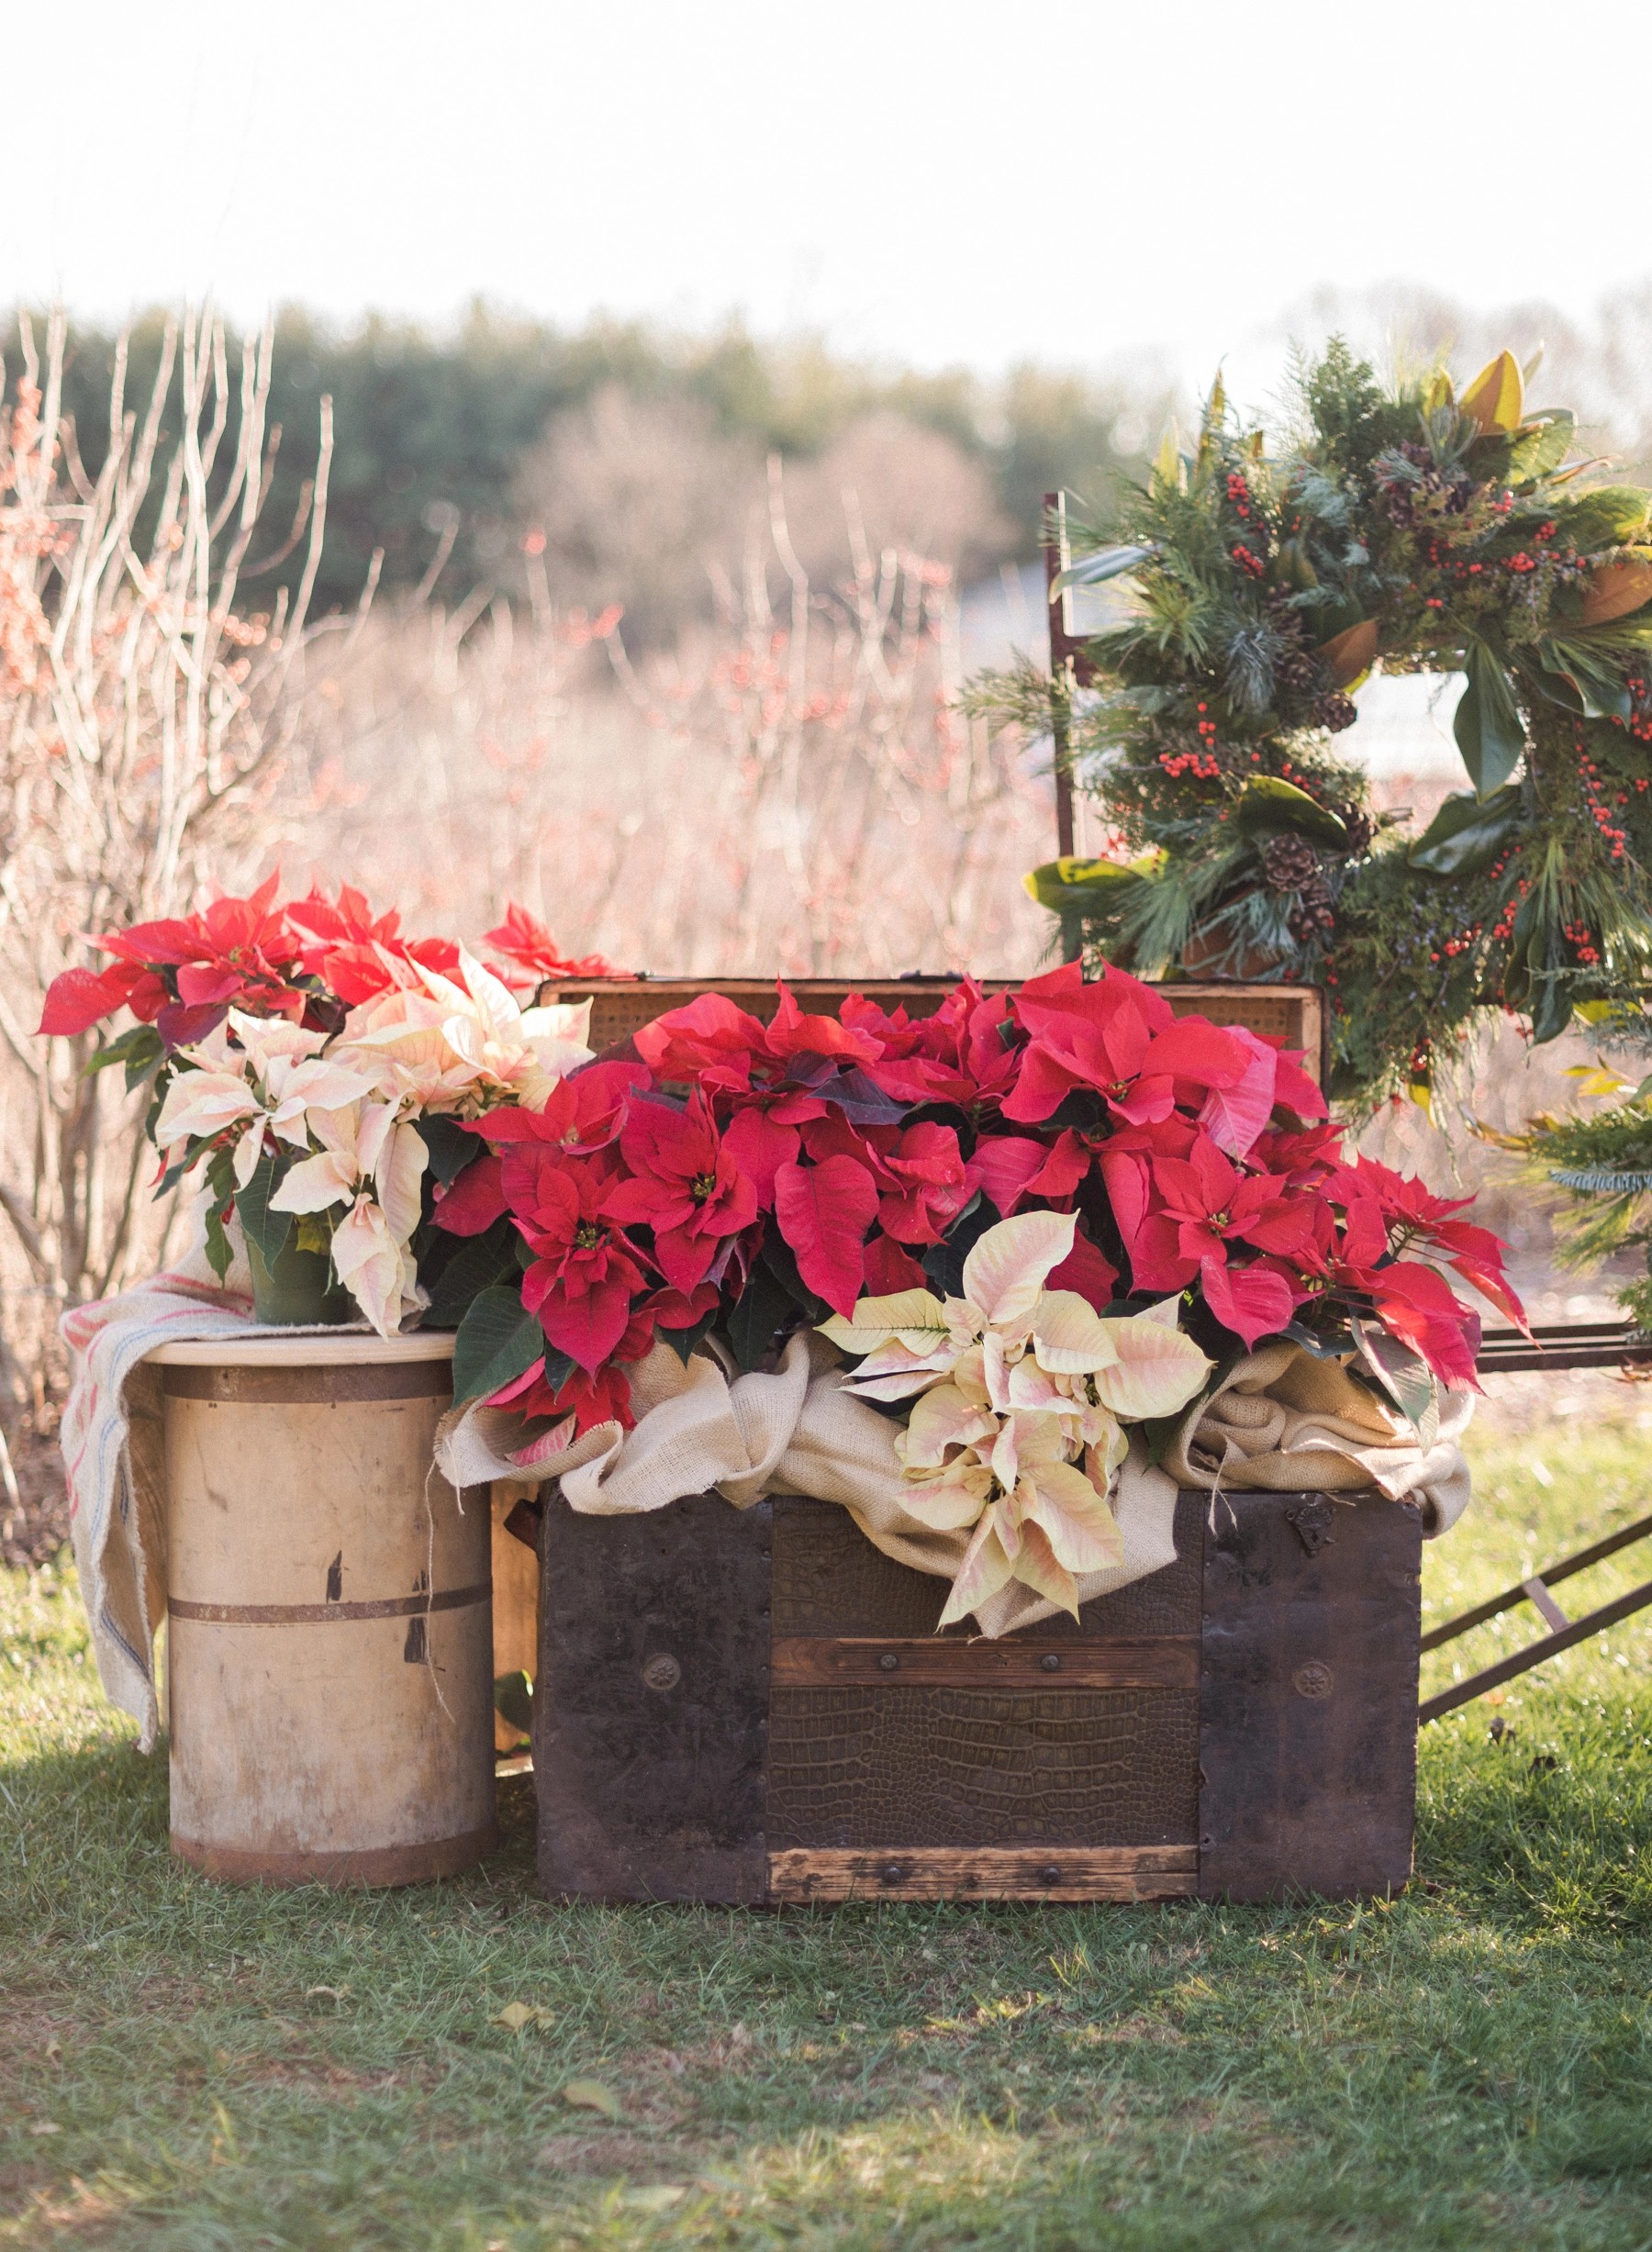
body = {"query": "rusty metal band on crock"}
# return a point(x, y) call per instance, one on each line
point(379, 1865)
point(324, 1614)
point(310, 1387)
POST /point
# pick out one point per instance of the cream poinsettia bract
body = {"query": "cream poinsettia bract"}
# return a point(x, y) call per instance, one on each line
point(371, 1167)
point(1019, 1396)
point(261, 1091)
point(463, 1044)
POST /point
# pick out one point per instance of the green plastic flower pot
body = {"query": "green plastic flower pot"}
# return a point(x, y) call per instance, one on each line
point(298, 1289)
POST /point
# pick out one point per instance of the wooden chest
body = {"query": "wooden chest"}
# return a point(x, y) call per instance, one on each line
point(754, 1705)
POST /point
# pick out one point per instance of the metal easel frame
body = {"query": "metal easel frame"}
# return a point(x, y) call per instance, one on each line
point(1595, 1345)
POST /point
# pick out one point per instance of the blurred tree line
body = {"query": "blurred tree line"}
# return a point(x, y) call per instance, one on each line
point(633, 450)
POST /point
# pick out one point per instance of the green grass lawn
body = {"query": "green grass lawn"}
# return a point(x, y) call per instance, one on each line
point(186, 2065)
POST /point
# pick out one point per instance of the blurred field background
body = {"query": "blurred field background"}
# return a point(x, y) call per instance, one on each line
point(658, 633)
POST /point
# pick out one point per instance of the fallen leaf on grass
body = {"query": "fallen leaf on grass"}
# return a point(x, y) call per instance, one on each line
point(592, 2096)
point(656, 2197)
point(45, 2126)
point(517, 2016)
point(329, 1993)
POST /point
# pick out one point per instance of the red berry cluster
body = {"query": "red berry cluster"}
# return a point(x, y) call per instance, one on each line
point(1239, 493)
point(1594, 786)
point(1582, 939)
point(1639, 723)
point(1199, 764)
point(1206, 727)
point(1450, 948)
point(1248, 561)
point(1504, 928)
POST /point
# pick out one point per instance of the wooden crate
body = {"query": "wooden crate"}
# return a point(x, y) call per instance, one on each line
point(620, 1006)
point(754, 1705)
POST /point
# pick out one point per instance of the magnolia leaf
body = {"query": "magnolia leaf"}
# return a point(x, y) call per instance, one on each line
point(1268, 805)
point(1488, 724)
point(1169, 470)
point(1074, 887)
point(1349, 655)
point(1615, 590)
point(1111, 563)
point(1494, 399)
point(1466, 836)
point(1539, 450)
point(592, 2096)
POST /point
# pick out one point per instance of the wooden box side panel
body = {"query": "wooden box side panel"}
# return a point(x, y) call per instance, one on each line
point(651, 1706)
point(1308, 1732)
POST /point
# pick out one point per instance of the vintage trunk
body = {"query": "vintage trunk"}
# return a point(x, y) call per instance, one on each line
point(329, 1662)
point(1294, 1014)
point(754, 1705)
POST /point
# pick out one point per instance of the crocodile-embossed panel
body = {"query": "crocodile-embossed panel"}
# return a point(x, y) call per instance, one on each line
point(829, 1579)
point(948, 1767)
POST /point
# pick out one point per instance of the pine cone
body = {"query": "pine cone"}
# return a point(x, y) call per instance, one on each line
point(1335, 711)
point(1314, 917)
point(1358, 826)
point(1289, 862)
point(1296, 666)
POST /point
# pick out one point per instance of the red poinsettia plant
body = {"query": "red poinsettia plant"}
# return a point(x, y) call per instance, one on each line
point(720, 1172)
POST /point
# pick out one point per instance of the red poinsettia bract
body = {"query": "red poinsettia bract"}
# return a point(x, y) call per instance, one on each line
point(527, 945)
point(236, 953)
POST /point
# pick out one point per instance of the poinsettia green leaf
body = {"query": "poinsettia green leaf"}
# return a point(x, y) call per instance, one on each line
point(268, 1230)
point(1268, 805)
point(499, 1340)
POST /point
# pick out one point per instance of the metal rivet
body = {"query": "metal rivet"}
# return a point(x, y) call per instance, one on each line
point(888, 1661)
point(1050, 1662)
point(1313, 1679)
point(662, 1672)
point(1050, 1874)
point(893, 1872)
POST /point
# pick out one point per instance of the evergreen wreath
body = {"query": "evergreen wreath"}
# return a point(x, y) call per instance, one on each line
point(1412, 527)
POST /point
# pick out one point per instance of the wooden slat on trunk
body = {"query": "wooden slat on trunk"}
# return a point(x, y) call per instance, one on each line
point(1308, 1741)
point(651, 1708)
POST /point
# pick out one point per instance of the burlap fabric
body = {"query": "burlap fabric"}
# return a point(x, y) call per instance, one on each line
point(1282, 1422)
point(798, 1431)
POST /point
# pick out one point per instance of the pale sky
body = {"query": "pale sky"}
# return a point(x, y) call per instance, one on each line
point(935, 183)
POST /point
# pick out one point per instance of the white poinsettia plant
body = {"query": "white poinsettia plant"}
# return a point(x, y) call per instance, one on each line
point(1020, 1396)
point(298, 1125)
